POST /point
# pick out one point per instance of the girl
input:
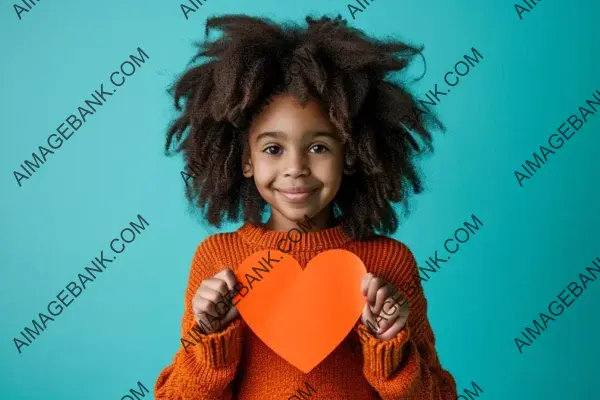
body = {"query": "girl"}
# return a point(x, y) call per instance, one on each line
point(301, 120)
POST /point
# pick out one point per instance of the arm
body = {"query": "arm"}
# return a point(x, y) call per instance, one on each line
point(406, 366)
point(204, 369)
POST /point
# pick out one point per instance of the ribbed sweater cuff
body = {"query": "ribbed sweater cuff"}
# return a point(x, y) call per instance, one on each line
point(382, 356)
point(221, 349)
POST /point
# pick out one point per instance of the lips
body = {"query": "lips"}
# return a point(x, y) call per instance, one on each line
point(296, 190)
point(296, 194)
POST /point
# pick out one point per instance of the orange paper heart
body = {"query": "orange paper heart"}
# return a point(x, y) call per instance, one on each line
point(302, 315)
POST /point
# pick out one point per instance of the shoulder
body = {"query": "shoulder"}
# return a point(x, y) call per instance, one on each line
point(388, 248)
point(387, 257)
point(211, 254)
point(212, 245)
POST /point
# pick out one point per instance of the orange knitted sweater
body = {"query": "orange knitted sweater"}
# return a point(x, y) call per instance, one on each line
point(235, 364)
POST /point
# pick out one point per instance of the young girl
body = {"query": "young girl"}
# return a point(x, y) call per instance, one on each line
point(301, 120)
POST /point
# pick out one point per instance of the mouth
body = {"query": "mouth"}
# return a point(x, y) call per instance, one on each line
point(297, 195)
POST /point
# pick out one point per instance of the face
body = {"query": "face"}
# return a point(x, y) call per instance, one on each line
point(296, 158)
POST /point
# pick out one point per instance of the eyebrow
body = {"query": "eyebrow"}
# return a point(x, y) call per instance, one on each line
point(282, 135)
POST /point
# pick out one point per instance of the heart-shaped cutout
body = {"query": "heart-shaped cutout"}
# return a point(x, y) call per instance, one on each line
point(302, 315)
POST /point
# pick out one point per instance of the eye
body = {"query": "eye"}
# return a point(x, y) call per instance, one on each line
point(272, 150)
point(323, 148)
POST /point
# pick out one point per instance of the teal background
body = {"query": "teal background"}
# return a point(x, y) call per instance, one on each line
point(125, 327)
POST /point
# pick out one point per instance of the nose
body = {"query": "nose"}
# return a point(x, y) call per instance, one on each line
point(296, 164)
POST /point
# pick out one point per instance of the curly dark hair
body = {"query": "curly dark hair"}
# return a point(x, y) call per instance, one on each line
point(347, 71)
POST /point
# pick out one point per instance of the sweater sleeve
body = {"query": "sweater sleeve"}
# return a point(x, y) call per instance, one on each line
point(406, 366)
point(205, 365)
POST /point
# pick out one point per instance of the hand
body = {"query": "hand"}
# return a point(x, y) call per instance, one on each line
point(386, 307)
point(212, 305)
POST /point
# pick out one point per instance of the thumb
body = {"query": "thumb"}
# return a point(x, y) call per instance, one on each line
point(367, 316)
point(232, 314)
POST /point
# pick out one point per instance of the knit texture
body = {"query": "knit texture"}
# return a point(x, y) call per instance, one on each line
point(235, 364)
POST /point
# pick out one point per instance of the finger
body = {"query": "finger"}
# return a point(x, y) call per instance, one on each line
point(368, 318)
point(210, 295)
point(203, 323)
point(374, 286)
point(391, 332)
point(214, 323)
point(365, 283)
point(201, 304)
point(220, 304)
point(392, 306)
point(208, 323)
point(233, 312)
point(222, 307)
point(383, 293)
point(217, 291)
point(396, 311)
point(216, 284)
point(231, 315)
point(229, 277)
point(386, 321)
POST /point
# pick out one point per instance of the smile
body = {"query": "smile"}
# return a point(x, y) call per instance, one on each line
point(297, 197)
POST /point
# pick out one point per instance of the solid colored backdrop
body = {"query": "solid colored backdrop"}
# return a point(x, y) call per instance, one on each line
point(534, 72)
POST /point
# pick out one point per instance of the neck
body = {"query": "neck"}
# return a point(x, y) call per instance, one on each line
point(278, 222)
point(302, 237)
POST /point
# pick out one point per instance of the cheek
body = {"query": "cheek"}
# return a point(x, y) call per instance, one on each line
point(263, 170)
point(328, 170)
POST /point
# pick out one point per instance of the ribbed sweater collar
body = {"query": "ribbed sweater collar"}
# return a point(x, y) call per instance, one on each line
point(325, 239)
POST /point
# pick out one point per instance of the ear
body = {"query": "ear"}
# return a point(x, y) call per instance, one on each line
point(247, 169)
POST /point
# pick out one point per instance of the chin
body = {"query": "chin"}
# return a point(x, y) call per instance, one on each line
point(298, 210)
point(297, 214)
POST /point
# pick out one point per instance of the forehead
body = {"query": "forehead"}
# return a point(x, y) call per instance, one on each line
point(286, 115)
